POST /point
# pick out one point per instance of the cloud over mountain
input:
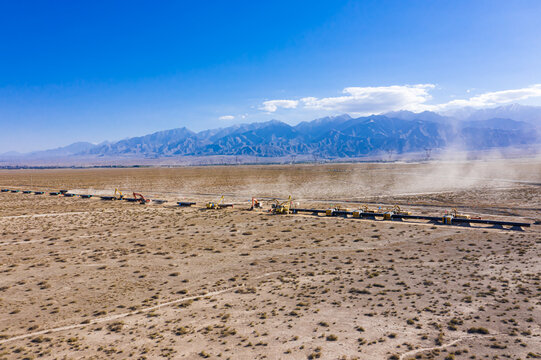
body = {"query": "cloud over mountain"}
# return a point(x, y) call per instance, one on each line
point(273, 105)
point(361, 101)
point(370, 100)
point(493, 98)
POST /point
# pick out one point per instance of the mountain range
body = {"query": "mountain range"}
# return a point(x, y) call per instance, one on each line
point(330, 137)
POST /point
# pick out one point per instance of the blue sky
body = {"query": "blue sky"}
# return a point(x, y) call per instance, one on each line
point(105, 70)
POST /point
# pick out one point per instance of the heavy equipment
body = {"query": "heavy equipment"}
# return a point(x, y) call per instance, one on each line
point(363, 211)
point(282, 207)
point(256, 204)
point(218, 204)
point(337, 211)
point(453, 214)
point(395, 210)
point(449, 217)
point(140, 198)
point(116, 196)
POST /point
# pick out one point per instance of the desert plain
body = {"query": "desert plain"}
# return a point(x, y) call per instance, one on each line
point(94, 279)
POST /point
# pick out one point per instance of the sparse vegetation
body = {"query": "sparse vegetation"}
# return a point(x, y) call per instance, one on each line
point(326, 287)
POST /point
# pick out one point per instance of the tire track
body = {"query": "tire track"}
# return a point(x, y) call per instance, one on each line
point(456, 341)
point(43, 215)
point(126, 314)
point(117, 316)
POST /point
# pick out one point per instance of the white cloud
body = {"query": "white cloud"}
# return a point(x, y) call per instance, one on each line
point(273, 105)
point(363, 100)
point(493, 98)
point(226, 117)
point(381, 99)
point(373, 100)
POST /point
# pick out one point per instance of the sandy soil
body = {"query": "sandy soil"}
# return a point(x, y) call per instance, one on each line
point(85, 278)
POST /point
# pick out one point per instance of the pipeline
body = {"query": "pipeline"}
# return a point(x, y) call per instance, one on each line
point(448, 219)
point(286, 207)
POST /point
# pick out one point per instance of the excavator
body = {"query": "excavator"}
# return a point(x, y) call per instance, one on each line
point(140, 198)
point(116, 196)
point(218, 204)
point(119, 193)
point(283, 207)
point(256, 204)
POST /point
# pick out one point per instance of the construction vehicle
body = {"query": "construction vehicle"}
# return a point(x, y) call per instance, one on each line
point(395, 210)
point(284, 207)
point(448, 217)
point(140, 198)
point(218, 204)
point(116, 196)
point(337, 211)
point(454, 218)
point(215, 205)
point(362, 211)
point(256, 204)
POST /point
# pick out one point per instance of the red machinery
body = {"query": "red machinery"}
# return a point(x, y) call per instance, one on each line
point(140, 198)
point(256, 204)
